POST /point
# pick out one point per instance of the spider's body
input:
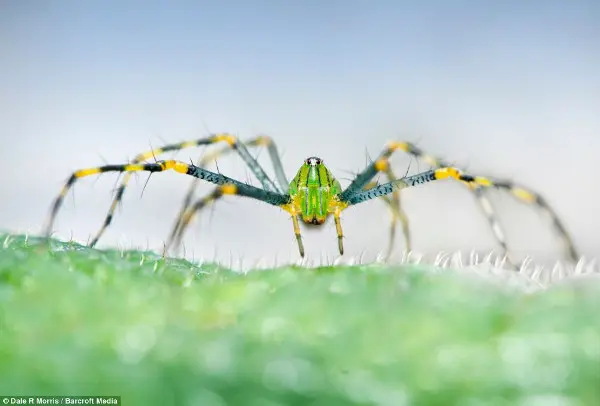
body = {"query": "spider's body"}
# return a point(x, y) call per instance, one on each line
point(314, 194)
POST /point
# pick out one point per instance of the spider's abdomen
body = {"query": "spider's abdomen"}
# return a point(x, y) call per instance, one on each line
point(314, 202)
point(312, 190)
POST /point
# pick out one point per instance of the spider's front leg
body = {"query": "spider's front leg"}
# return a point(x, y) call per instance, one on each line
point(381, 164)
point(227, 185)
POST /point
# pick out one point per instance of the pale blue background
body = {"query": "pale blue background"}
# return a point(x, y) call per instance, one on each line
point(508, 88)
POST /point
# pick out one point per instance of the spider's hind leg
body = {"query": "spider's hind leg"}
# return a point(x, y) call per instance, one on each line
point(523, 195)
point(398, 214)
point(260, 141)
point(186, 217)
point(532, 198)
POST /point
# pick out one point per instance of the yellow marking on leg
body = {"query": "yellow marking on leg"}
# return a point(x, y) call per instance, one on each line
point(294, 210)
point(445, 173)
point(188, 144)
point(176, 166)
point(338, 229)
point(86, 172)
point(480, 180)
point(133, 168)
point(395, 145)
point(228, 138)
point(449, 172)
point(263, 141)
point(187, 218)
point(147, 155)
point(290, 208)
point(382, 165)
point(523, 194)
point(431, 160)
point(213, 155)
point(336, 206)
point(407, 147)
point(229, 189)
point(296, 224)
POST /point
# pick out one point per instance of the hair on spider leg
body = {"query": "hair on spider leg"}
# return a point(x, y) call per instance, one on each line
point(408, 169)
point(184, 249)
point(102, 158)
point(248, 177)
point(161, 139)
point(164, 250)
point(87, 241)
point(71, 236)
point(368, 159)
point(145, 184)
point(257, 154)
point(211, 215)
point(349, 172)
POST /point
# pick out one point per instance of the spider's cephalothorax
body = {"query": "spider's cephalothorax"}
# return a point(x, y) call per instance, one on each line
point(313, 191)
point(313, 194)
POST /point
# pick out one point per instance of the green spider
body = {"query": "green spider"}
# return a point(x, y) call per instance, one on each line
point(313, 195)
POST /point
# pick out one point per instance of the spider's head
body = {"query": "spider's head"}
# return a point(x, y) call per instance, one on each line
point(313, 161)
point(313, 189)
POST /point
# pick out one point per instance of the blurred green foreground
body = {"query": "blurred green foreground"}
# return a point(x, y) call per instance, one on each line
point(79, 321)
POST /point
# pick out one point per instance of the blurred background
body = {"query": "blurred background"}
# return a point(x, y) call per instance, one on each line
point(510, 89)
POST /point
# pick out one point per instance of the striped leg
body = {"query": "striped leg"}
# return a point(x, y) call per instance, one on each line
point(361, 196)
point(187, 216)
point(338, 229)
point(529, 197)
point(192, 210)
point(398, 213)
point(228, 185)
point(259, 141)
point(522, 194)
point(232, 144)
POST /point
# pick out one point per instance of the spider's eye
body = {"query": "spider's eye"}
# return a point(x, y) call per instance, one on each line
point(313, 161)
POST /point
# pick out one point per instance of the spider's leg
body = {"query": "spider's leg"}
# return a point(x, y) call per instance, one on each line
point(530, 197)
point(492, 218)
point(363, 181)
point(381, 191)
point(229, 185)
point(190, 212)
point(232, 144)
point(362, 196)
point(524, 195)
point(207, 159)
point(398, 213)
point(338, 229)
point(482, 200)
point(381, 164)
